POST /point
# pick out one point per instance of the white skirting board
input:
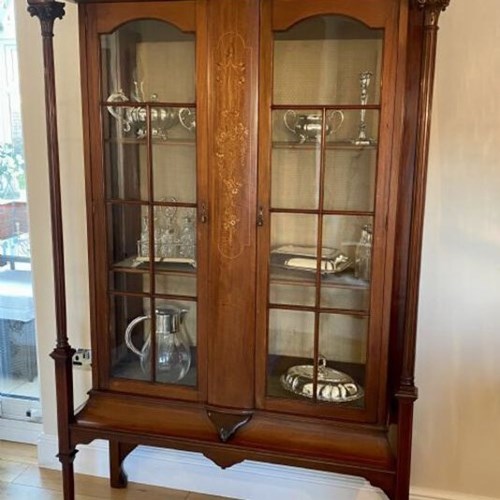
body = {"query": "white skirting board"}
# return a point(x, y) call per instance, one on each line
point(20, 431)
point(247, 480)
point(429, 494)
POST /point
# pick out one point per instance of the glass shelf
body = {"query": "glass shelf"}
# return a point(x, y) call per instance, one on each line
point(344, 279)
point(156, 142)
point(343, 145)
point(132, 264)
point(129, 368)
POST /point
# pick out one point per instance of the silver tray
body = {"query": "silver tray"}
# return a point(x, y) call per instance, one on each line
point(166, 260)
point(333, 386)
point(304, 258)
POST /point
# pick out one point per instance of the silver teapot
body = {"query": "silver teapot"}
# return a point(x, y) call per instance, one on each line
point(309, 127)
point(173, 356)
point(134, 118)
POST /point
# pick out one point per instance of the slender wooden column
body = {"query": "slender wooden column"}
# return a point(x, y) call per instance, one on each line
point(407, 393)
point(432, 9)
point(48, 11)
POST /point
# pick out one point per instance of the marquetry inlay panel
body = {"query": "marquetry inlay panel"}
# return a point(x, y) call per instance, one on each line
point(231, 141)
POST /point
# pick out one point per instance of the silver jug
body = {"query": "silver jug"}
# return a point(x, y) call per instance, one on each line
point(173, 356)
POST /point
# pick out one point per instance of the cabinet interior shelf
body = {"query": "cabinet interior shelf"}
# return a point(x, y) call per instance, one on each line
point(154, 142)
point(131, 265)
point(345, 279)
point(129, 368)
point(342, 145)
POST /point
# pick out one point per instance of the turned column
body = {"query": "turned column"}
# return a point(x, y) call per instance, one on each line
point(428, 12)
point(47, 12)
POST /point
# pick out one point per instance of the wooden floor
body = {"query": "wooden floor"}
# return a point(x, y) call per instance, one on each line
point(22, 479)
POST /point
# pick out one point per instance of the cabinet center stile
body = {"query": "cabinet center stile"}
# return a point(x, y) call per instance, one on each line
point(233, 179)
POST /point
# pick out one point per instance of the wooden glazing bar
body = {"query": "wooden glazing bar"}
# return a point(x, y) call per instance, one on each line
point(317, 212)
point(321, 310)
point(319, 250)
point(151, 250)
point(152, 104)
point(144, 295)
point(118, 201)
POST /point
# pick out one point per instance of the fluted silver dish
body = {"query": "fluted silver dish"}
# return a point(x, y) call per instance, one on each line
point(333, 386)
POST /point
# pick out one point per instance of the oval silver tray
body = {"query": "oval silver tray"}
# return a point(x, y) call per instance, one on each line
point(300, 258)
point(333, 386)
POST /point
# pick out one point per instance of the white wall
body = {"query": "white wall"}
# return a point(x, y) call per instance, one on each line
point(457, 424)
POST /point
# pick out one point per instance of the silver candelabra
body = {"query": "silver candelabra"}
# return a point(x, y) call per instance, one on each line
point(364, 82)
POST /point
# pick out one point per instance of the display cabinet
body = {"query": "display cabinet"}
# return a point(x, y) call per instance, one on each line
point(255, 175)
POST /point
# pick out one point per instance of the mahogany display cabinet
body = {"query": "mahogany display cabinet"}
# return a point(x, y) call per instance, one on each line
point(255, 179)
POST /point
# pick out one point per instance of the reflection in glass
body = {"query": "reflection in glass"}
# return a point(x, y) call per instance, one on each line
point(139, 59)
point(178, 280)
point(291, 341)
point(126, 225)
point(350, 175)
point(126, 171)
point(343, 338)
point(129, 282)
point(347, 134)
point(123, 310)
point(295, 178)
point(298, 230)
point(174, 172)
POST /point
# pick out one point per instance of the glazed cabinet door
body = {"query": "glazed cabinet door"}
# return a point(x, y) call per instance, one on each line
point(327, 99)
point(147, 183)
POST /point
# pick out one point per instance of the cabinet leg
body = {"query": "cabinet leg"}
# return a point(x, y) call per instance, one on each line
point(68, 477)
point(118, 451)
point(404, 447)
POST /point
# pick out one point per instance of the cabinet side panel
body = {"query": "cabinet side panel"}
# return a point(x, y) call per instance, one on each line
point(233, 96)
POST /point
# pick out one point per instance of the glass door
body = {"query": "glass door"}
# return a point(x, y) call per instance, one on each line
point(19, 386)
point(324, 248)
point(147, 230)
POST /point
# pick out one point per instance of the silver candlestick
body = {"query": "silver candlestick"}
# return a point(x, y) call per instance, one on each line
point(363, 139)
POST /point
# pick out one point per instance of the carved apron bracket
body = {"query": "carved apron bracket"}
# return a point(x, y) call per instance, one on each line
point(227, 424)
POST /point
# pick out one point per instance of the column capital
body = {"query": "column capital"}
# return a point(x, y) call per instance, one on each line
point(433, 9)
point(47, 12)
